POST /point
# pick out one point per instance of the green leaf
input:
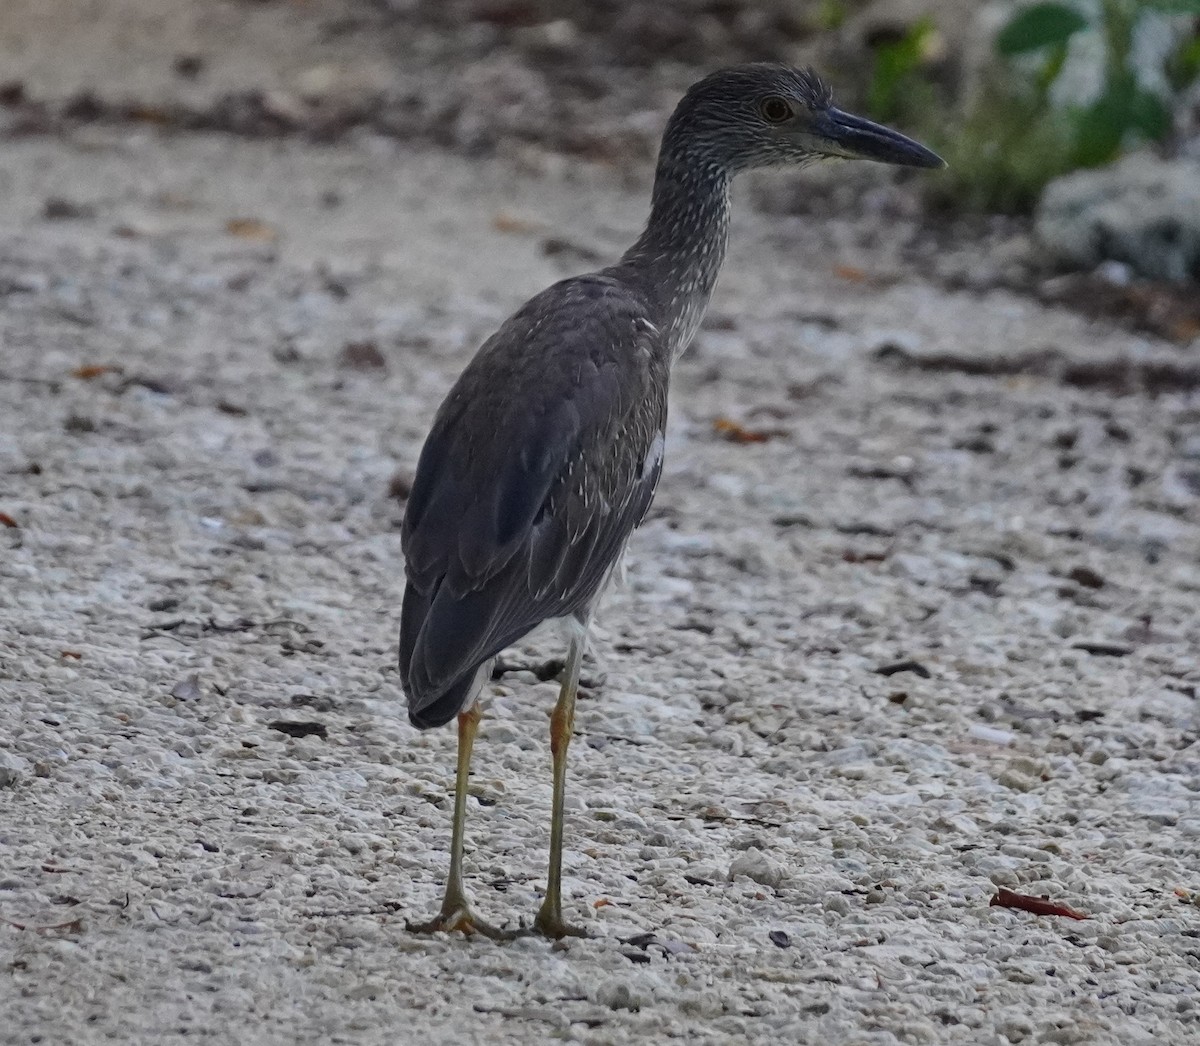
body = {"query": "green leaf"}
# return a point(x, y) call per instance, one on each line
point(895, 64)
point(1041, 25)
point(831, 14)
point(1100, 129)
point(1184, 65)
point(1173, 7)
point(1149, 114)
point(1044, 79)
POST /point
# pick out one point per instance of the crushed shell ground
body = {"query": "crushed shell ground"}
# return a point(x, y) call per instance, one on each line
point(920, 634)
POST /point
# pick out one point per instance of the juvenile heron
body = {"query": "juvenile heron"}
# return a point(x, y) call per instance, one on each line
point(545, 455)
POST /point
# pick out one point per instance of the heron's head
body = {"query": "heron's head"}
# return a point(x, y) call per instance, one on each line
point(765, 115)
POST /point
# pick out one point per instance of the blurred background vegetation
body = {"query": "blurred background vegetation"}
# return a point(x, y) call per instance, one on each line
point(1013, 92)
point(1015, 129)
point(1072, 127)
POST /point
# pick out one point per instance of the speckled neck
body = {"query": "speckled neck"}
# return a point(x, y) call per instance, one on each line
point(677, 258)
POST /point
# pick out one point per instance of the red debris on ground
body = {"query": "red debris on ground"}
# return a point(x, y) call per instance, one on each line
point(1036, 905)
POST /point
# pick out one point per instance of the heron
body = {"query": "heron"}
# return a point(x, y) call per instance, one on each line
point(545, 454)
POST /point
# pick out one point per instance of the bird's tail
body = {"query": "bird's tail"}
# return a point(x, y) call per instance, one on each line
point(430, 706)
point(457, 697)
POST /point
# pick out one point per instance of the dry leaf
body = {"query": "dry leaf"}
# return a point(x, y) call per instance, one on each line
point(94, 370)
point(74, 655)
point(502, 221)
point(850, 272)
point(604, 902)
point(251, 229)
point(7, 521)
point(1185, 330)
point(1037, 905)
point(150, 114)
point(737, 433)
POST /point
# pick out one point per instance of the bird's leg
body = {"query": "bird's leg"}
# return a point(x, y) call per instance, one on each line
point(549, 921)
point(456, 911)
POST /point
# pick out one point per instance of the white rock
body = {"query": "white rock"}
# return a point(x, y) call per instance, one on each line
point(1142, 211)
point(12, 769)
point(756, 865)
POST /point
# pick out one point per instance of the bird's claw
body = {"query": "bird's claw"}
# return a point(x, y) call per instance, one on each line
point(556, 928)
point(465, 921)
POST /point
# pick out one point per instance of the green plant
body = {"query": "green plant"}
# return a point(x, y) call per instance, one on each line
point(1014, 137)
point(1002, 152)
point(1183, 67)
point(896, 73)
point(830, 14)
point(1123, 109)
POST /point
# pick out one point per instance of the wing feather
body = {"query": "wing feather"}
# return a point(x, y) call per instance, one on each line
point(538, 466)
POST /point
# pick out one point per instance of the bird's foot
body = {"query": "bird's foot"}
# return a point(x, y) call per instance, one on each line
point(550, 923)
point(459, 917)
point(547, 671)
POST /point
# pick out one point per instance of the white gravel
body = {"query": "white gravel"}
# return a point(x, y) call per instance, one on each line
point(205, 546)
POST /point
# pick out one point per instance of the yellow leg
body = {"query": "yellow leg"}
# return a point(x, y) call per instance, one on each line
point(549, 921)
point(456, 911)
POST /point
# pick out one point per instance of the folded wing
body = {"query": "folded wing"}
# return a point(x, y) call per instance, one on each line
point(542, 460)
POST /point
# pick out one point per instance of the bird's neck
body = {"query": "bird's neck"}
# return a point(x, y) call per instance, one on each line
point(678, 256)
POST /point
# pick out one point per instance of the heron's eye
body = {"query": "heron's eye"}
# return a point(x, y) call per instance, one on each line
point(775, 109)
